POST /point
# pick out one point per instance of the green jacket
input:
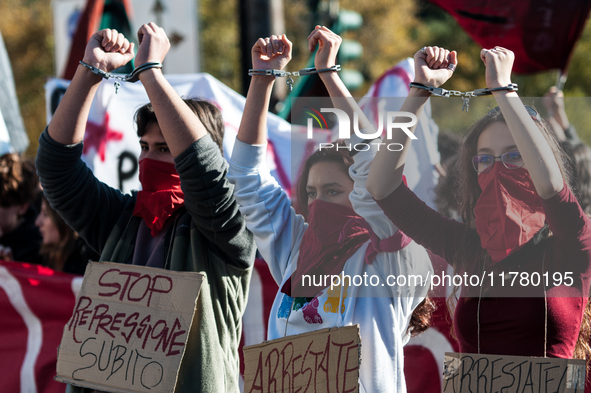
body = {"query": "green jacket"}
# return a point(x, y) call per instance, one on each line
point(211, 238)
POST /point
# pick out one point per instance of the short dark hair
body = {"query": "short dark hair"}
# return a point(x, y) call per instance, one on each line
point(208, 114)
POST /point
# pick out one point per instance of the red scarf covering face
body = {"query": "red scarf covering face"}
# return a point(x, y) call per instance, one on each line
point(161, 193)
point(509, 211)
point(334, 234)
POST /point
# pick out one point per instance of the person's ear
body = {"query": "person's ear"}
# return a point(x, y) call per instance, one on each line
point(23, 209)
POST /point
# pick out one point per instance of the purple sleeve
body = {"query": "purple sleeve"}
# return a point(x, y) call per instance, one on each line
point(441, 235)
point(571, 227)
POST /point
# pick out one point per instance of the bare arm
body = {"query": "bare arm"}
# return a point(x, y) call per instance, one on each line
point(179, 125)
point(431, 70)
point(531, 143)
point(270, 53)
point(106, 50)
point(326, 57)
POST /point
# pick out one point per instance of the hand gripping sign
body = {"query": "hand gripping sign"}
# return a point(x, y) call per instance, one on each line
point(129, 328)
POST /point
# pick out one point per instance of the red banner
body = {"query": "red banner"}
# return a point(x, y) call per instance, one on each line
point(541, 33)
point(35, 304)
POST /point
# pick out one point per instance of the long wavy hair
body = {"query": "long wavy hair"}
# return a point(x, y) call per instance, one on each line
point(55, 255)
point(580, 155)
point(421, 316)
point(467, 194)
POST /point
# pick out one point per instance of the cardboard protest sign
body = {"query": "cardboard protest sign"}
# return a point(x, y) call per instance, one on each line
point(323, 361)
point(129, 328)
point(466, 372)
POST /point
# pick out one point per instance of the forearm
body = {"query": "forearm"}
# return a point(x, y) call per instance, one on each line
point(179, 125)
point(253, 126)
point(534, 148)
point(68, 123)
point(342, 99)
point(561, 118)
point(390, 164)
point(557, 128)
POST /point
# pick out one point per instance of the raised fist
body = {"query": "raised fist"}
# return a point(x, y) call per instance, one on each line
point(153, 44)
point(498, 62)
point(434, 65)
point(108, 50)
point(271, 53)
point(328, 47)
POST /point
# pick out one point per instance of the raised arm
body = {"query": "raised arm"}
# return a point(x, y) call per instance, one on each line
point(553, 101)
point(180, 126)
point(531, 143)
point(106, 50)
point(89, 206)
point(267, 53)
point(431, 69)
point(326, 57)
point(265, 206)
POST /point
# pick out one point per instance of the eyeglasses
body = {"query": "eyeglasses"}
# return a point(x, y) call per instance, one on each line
point(532, 112)
point(484, 162)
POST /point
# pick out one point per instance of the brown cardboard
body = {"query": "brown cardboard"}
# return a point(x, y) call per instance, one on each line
point(322, 361)
point(467, 372)
point(129, 328)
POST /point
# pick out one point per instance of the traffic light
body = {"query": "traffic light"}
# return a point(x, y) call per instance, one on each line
point(350, 49)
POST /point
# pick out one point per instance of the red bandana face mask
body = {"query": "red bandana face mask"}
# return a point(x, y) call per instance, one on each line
point(161, 193)
point(509, 211)
point(334, 234)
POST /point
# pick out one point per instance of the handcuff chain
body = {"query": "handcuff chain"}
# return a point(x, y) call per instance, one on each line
point(288, 74)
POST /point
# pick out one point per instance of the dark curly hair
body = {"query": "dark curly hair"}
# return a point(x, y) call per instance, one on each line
point(18, 180)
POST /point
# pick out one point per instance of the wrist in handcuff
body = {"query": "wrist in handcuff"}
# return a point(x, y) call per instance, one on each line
point(131, 77)
point(154, 69)
point(438, 91)
point(290, 81)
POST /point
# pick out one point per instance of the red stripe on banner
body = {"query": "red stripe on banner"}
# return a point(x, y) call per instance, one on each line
point(241, 353)
point(270, 289)
point(421, 370)
point(268, 292)
point(13, 345)
point(87, 24)
point(49, 297)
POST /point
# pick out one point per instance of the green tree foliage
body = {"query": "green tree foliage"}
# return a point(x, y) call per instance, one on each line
point(26, 29)
point(220, 40)
point(391, 31)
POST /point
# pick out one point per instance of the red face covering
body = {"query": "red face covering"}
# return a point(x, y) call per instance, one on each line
point(161, 193)
point(334, 234)
point(509, 211)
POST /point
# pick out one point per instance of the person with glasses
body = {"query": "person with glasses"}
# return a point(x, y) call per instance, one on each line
point(519, 215)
